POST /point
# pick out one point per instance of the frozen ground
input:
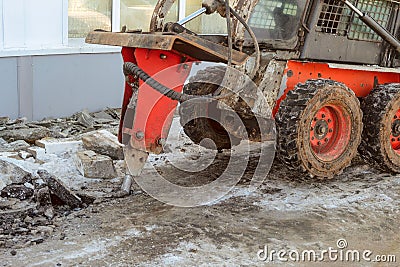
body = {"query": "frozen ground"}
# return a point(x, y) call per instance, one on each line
point(288, 211)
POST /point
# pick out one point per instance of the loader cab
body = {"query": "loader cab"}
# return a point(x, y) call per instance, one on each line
point(276, 23)
point(335, 33)
point(326, 30)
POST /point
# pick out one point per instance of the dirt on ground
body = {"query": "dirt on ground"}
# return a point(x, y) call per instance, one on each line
point(290, 212)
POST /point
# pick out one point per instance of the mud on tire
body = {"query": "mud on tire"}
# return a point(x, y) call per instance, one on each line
point(380, 145)
point(319, 128)
point(199, 129)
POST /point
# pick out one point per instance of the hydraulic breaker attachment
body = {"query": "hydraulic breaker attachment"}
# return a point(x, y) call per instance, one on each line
point(149, 114)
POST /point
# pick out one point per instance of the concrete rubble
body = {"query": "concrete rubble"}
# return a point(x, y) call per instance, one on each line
point(103, 142)
point(28, 203)
point(57, 146)
point(93, 165)
point(12, 174)
point(39, 182)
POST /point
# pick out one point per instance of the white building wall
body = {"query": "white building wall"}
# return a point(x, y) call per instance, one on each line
point(43, 73)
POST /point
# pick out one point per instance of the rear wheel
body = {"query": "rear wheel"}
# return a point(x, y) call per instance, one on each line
point(380, 145)
point(319, 125)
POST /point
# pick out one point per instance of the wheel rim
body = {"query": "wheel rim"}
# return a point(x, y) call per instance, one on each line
point(330, 132)
point(395, 133)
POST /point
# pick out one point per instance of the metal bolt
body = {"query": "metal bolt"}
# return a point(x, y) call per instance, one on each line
point(329, 120)
point(323, 116)
point(315, 119)
point(393, 139)
point(330, 130)
point(312, 128)
point(319, 143)
point(395, 116)
point(312, 138)
point(163, 56)
point(326, 139)
point(139, 135)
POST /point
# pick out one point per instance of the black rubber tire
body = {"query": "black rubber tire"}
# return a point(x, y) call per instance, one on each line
point(379, 108)
point(201, 128)
point(293, 124)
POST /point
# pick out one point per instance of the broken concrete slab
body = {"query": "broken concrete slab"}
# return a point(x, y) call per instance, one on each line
point(105, 143)
point(24, 155)
point(92, 165)
point(58, 146)
point(13, 146)
point(4, 120)
point(13, 155)
point(12, 174)
point(18, 191)
point(37, 152)
point(59, 189)
point(29, 135)
point(85, 119)
point(18, 145)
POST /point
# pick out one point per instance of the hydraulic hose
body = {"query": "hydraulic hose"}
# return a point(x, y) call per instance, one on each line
point(253, 36)
point(132, 69)
point(229, 30)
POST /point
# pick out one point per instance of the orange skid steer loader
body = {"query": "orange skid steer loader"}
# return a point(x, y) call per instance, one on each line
point(311, 61)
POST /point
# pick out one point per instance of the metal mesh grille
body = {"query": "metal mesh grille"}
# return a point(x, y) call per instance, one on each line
point(335, 18)
point(378, 10)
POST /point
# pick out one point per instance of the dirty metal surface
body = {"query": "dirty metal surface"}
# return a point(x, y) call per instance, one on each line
point(153, 112)
point(190, 45)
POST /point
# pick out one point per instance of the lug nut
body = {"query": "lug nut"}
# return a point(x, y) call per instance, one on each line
point(330, 130)
point(323, 116)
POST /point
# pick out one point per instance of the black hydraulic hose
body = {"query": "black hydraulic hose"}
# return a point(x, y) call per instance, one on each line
point(229, 30)
point(132, 69)
point(253, 36)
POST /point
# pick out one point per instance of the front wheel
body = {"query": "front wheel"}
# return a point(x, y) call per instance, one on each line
point(319, 128)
